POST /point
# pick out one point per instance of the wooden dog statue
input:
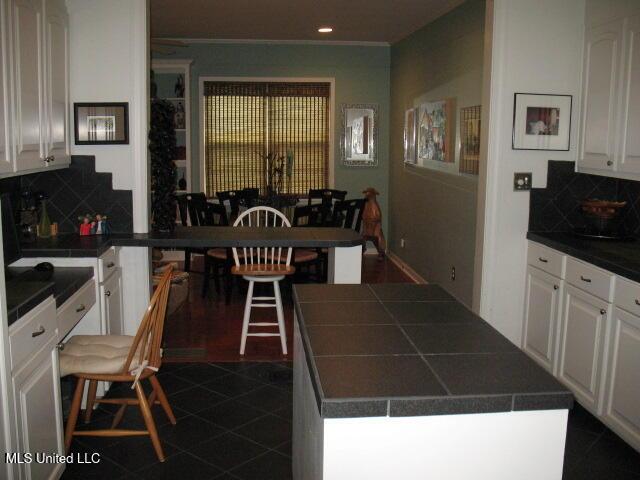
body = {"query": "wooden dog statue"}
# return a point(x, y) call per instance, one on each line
point(372, 221)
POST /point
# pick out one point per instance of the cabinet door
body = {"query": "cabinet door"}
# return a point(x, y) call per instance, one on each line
point(6, 158)
point(112, 303)
point(542, 305)
point(28, 58)
point(581, 359)
point(630, 123)
point(599, 96)
point(39, 412)
point(622, 403)
point(57, 130)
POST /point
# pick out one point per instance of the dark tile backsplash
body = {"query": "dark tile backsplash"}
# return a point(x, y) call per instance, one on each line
point(76, 191)
point(557, 207)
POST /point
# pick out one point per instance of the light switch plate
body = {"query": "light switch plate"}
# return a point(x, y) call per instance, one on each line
point(522, 181)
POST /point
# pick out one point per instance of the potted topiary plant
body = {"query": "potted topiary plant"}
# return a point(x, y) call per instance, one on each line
point(162, 146)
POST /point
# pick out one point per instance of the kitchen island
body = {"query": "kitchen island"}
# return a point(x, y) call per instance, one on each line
point(402, 381)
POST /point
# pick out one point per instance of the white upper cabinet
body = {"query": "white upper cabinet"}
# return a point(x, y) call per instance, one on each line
point(57, 130)
point(630, 124)
point(609, 143)
point(599, 96)
point(35, 41)
point(6, 157)
point(28, 58)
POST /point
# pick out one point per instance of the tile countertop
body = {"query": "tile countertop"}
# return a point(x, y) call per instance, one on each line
point(73, 245)
point(621, 257)
point(26, 288)
point(413, 350)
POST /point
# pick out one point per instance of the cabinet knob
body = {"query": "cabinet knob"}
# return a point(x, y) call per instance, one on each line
point(603, 311)
point(39, 332)
point(609, 163)
point(50, 158)
point(111, 265)
point(556, 287)
point(60, 346)
point(81, 308)
point(108, 293)
point(637, 302)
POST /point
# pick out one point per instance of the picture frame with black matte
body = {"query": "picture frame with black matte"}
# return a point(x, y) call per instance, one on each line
point(105, 123)
point(542, 122)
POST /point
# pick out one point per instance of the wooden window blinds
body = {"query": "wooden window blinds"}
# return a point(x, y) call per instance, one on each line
point(245, 121)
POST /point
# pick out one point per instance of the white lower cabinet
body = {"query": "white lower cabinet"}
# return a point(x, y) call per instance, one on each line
point(584, 319)
point(622, 400)
point(111, 291)
point(543, 298)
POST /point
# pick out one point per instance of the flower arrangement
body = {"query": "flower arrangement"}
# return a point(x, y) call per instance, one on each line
point(279, 170)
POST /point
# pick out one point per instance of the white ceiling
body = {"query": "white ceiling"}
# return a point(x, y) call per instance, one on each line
point(352, 20)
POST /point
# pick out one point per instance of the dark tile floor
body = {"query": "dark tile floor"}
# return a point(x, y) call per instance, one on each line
point(234, 422)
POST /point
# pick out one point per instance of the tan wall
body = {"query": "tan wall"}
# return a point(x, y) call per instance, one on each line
point(435, 212)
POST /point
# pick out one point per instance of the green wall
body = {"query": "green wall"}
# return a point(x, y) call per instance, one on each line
point(361, 75)
point(435, 212)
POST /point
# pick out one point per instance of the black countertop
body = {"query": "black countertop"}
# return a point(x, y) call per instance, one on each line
point(26, 288)
point(621, 257)
point(73, 245)
point(413, 350)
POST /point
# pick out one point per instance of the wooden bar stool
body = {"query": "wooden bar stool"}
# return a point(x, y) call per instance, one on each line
point(263, 265)
point(120, 358)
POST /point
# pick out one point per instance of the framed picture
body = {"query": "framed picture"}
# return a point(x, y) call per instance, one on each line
point(410, 136)
point(470, 139)
point(436, 131)
point(359, 137)
point(101, 123)
point(541, 122)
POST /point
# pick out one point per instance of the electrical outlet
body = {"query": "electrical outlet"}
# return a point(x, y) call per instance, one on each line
point(453, 274)
point(522, 181)
point(402, 243)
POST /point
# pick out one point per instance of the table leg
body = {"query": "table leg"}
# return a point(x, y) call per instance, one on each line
point(345, 265)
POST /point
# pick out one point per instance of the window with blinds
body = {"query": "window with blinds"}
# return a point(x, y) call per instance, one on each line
point(246, 121)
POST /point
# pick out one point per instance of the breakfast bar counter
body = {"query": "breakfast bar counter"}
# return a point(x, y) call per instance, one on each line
point(402, 381)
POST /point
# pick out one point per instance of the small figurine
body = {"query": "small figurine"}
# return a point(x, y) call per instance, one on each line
point(87, 224)
point(179, 118)
point(372, 221)
point(100, 226)
point(178, 88)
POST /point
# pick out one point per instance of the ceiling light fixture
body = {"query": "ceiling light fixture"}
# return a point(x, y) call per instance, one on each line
point(325, 30)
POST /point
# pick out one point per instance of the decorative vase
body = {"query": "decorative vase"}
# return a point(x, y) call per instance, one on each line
point(44, 227)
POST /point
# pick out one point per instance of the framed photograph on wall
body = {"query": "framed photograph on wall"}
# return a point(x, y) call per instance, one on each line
point(101, 123)
point(410, 136)
point(541, 121)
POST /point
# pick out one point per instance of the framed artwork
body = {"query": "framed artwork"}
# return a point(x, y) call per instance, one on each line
point(541, 122)
point(436, 131)
point(101, 123)
point(410, 136)
point(470, 139)
point(359, 139)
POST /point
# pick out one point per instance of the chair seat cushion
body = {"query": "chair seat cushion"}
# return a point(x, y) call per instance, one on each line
point(263, 270)
point(303, 255)
point(102, 354)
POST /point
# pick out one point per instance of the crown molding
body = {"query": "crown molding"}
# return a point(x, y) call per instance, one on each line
point(249, 41)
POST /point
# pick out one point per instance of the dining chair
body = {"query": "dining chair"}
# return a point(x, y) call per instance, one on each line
point(315, 215)
point(263, 265)
point(217, 261)
point(231, 201)
point(348, 214)
point(118, 359)
point(327, 196)
point(190, 204)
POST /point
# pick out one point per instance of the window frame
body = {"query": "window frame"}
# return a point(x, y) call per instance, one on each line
point(201, 116)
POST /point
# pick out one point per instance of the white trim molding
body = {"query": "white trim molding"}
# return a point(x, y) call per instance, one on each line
point(332, 114)
point(402, 265)
point(251, 41)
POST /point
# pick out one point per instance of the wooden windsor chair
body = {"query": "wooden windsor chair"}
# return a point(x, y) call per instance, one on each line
point(117, 359)
point(263, 265)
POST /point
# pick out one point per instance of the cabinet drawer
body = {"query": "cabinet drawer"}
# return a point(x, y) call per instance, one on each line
point(591, 279)
point(546, 259)
point(76, 307)
point(627, 296)
point(31, 332)
point(107, 264)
